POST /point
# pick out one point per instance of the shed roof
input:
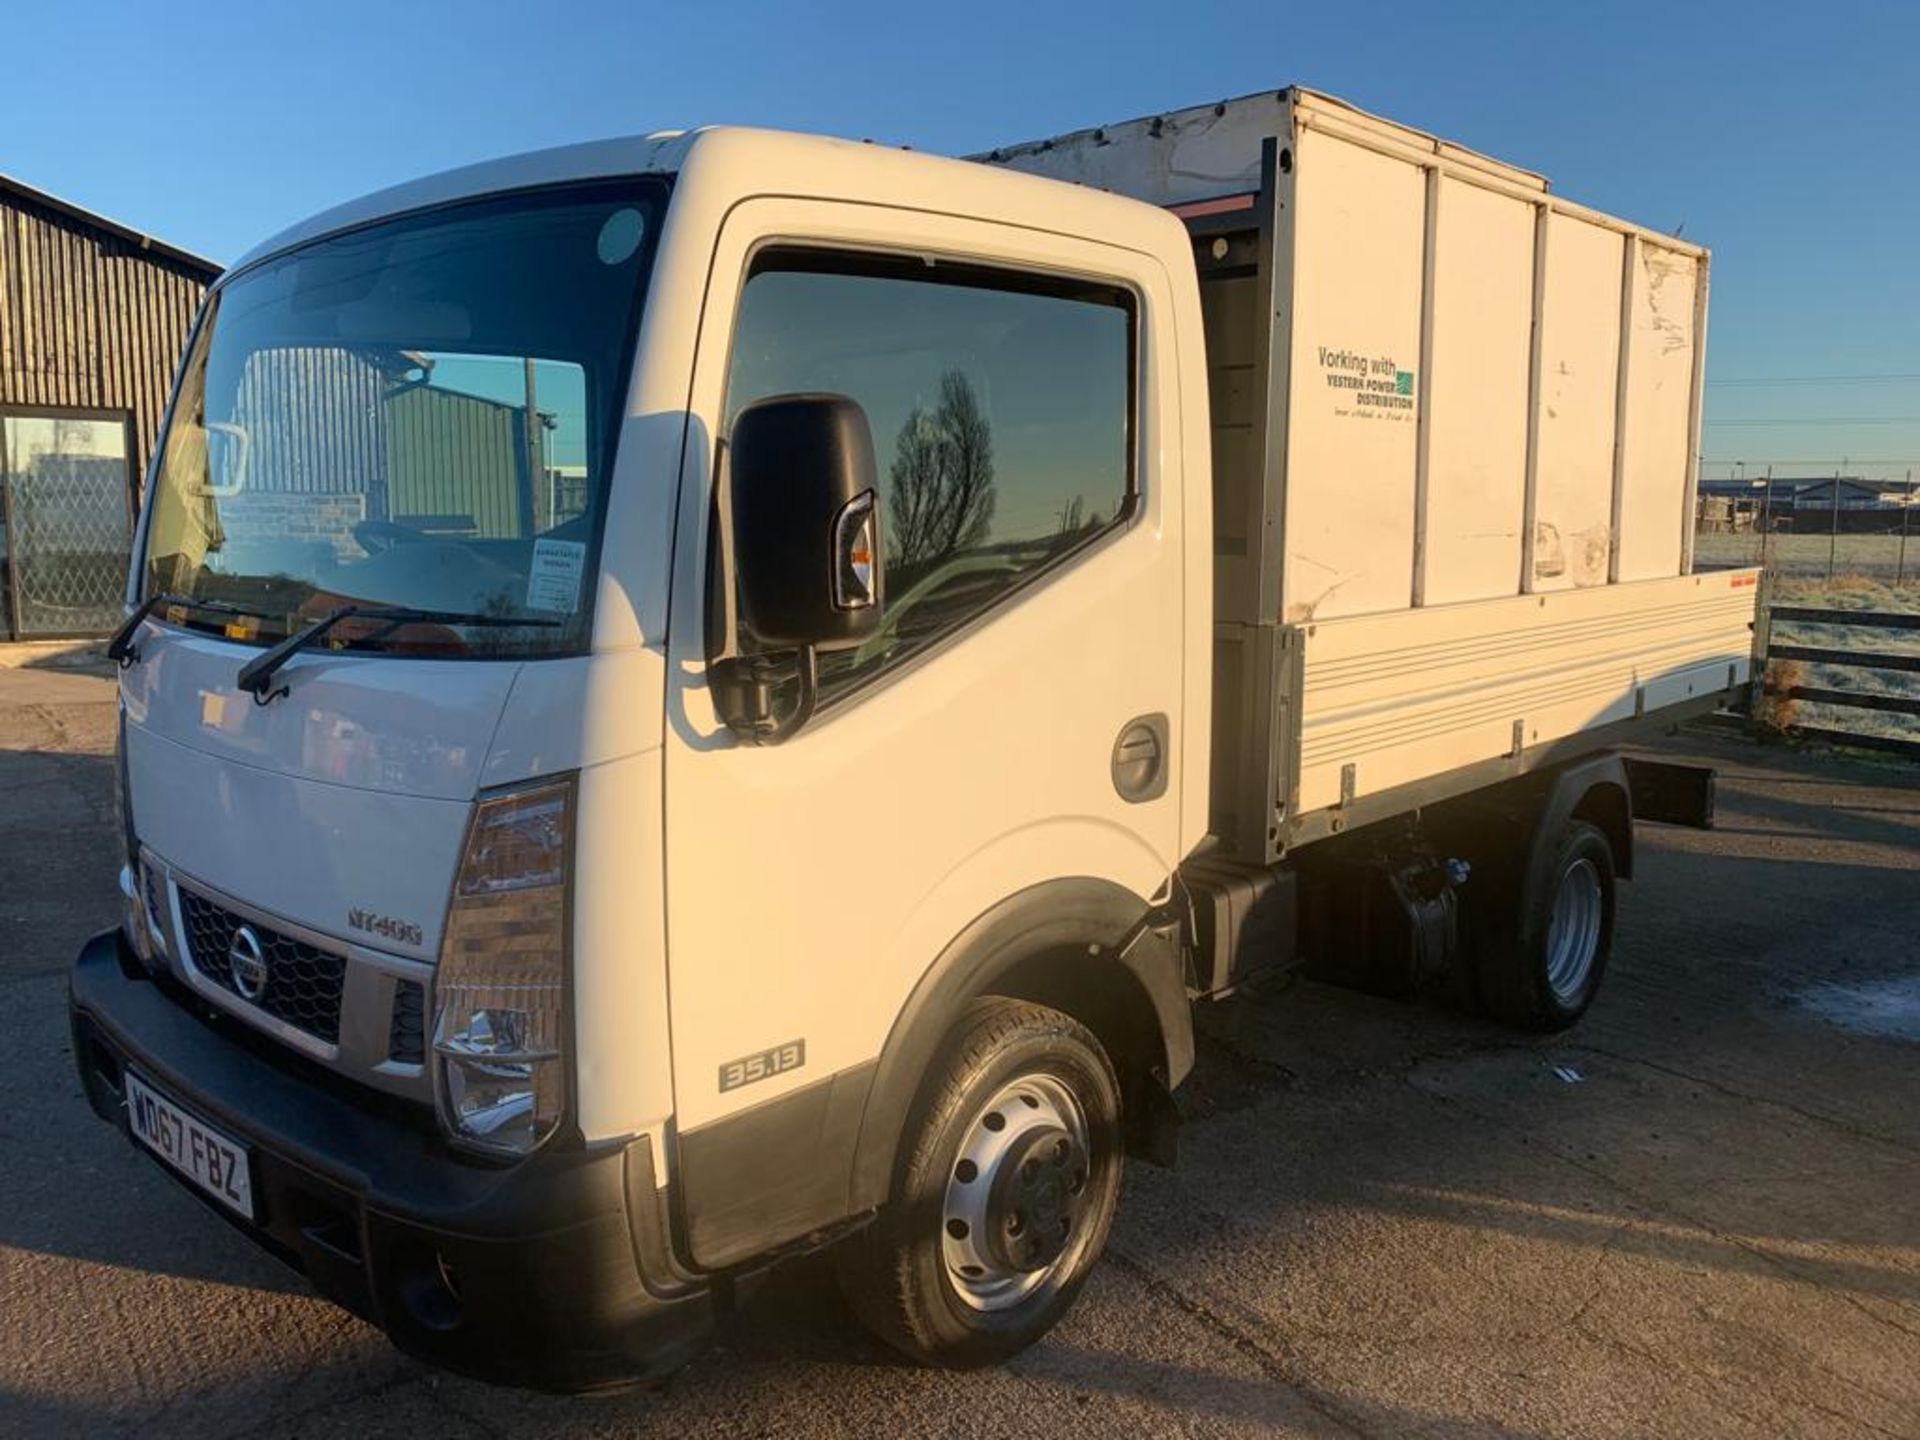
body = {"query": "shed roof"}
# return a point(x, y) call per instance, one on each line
point(146, 242)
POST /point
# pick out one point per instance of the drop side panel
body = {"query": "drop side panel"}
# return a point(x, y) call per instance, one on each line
point(1407, 697)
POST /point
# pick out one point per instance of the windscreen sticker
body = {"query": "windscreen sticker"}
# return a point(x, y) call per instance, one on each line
point(553, 582)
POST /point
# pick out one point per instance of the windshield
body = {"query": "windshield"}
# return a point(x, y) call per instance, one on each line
point(419, 414)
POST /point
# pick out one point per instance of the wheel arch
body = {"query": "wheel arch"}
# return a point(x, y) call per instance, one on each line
point(1595, 790)
point(1515, 818)
point(1085, 946)
point(1607, 803)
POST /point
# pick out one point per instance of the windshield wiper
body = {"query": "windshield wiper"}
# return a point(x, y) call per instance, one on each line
point(121, 649)
point(256, 676)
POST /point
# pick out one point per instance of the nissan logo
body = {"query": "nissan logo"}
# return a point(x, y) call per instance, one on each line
point(247, 964)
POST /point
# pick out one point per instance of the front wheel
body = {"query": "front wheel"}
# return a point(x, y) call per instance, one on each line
point(1002, 1199)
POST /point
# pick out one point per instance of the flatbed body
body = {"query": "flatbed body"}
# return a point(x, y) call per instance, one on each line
point(1454, 419)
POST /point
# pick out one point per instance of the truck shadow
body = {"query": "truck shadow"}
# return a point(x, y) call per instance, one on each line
point(79, 657)
point(75, 1189)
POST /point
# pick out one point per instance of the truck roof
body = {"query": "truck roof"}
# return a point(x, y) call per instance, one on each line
point(737, 155)
point(661, 152)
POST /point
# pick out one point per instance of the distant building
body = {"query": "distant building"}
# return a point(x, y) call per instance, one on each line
point(1853, 493)
point(1806, 502)
point(93, 318)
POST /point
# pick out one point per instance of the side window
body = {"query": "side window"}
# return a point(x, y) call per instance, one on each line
point(1001, 407)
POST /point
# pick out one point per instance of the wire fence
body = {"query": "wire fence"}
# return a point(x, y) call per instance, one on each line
point(1812, 524)
point(66, 531)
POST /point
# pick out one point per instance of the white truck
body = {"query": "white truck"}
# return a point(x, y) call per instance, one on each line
point(694, 698)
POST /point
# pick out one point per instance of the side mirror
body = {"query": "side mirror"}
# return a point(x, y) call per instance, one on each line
point(227, 449)
point(801, 532)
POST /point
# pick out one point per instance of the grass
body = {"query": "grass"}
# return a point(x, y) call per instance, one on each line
point(1848, 591)
point(1875, 558)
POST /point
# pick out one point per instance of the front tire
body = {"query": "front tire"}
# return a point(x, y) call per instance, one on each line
point(1004, 1193)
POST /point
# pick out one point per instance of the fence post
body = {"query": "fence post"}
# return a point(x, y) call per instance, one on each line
point(1833, 539)
point(1906, 523)
point(1762, 638)
point(1766, 512)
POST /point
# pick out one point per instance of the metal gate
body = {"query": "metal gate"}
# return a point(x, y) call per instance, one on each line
point(65, 510)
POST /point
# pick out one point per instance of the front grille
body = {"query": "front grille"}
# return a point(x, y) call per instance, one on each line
point(407, 1033)
point(303, 982)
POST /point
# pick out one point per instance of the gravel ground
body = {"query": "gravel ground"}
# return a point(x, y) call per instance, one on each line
point(1695, 1214)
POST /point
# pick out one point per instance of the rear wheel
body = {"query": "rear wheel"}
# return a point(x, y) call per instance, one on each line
point(1543, 972)
point(1004, 1194)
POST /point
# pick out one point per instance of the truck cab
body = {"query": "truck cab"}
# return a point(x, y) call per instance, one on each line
point(563, 838)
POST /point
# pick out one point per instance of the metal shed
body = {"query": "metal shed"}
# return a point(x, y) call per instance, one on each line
point(93, 318)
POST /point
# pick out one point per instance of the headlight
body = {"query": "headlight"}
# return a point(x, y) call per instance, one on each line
point(499, 1017)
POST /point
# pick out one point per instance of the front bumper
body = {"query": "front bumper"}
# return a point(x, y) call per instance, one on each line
point(553, 1273)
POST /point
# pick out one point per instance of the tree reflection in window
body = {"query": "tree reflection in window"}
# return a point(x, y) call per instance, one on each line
point(942, 493)
point(1000, 410)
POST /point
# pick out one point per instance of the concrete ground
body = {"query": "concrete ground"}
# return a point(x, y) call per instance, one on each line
point(1696, 1214)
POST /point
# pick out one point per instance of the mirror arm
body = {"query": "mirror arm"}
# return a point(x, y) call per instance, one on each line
point(778, 731)
point(752, 678)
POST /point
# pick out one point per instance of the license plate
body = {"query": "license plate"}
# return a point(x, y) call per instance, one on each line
point(209, 1159)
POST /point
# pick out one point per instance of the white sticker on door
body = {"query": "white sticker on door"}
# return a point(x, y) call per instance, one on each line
point(553, 581)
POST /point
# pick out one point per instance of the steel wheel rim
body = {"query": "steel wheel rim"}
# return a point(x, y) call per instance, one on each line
point(1573, 931)
point(1033, 1111)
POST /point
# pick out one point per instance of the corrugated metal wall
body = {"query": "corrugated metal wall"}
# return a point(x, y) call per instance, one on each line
point(324, 421)
point(88, 317)
point(93, 318)
point(459, 458)
point(312, 417)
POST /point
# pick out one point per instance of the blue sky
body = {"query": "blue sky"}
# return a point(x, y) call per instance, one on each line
point(1784, 136)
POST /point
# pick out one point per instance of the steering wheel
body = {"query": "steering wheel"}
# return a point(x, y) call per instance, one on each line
point(376, 537)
